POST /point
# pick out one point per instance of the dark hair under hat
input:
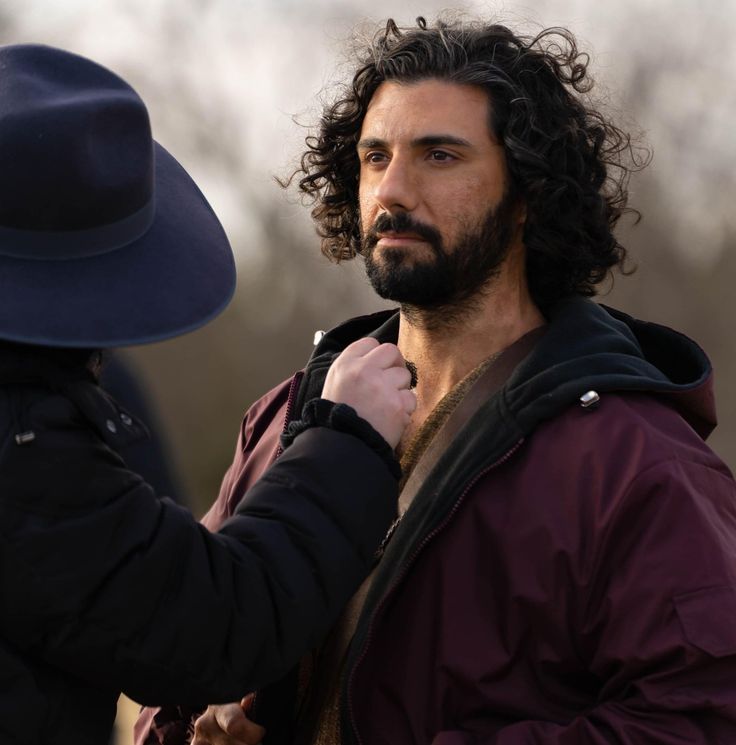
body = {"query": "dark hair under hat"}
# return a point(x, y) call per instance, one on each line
point(105, 240)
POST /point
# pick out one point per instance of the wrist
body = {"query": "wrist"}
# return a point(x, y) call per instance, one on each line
point(320, 412)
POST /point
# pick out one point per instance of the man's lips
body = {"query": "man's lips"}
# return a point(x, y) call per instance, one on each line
point(399, 239)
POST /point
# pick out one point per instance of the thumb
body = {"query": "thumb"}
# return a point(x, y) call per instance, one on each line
point(232, 720)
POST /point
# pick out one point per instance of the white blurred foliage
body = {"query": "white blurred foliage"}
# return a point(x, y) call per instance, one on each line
point(223, 79)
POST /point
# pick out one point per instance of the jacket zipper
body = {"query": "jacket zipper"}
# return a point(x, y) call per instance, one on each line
point(402, 573)
point(293, 390)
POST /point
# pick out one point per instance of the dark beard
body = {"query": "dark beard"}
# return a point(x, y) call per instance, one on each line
point(440, 291)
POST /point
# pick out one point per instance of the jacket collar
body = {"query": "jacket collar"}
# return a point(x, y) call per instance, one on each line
point(586, 347)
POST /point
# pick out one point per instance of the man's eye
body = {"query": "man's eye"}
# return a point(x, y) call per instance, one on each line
point(441, 156)
point(374, 157)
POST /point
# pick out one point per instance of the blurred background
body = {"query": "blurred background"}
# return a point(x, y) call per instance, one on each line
point(232, 87)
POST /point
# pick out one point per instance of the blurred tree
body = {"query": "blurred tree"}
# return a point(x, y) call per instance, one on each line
point(219, 78)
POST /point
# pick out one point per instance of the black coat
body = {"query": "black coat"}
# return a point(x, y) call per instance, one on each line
point(81, 537)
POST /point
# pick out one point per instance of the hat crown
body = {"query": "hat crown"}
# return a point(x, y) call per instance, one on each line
point(105, 240)
point(76, 150)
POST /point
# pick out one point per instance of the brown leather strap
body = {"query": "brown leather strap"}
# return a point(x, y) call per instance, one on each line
point(488, 383)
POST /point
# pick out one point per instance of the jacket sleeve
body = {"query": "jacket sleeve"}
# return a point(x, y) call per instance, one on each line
point(257, 446)
point(659, 629)
point(100, 578)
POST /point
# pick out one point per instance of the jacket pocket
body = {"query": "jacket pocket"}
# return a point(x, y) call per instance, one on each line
point(708, 618)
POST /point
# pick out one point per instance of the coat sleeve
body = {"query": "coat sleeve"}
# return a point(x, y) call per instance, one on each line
point(256, 448)
point(659, 629)
point(100, 578)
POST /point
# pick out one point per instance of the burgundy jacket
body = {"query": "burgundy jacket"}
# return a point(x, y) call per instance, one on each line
point(566, 575)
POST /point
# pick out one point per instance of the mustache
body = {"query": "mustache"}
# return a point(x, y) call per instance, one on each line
point(401, 222)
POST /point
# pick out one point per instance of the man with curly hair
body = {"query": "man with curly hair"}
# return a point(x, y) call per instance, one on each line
point(563, 565)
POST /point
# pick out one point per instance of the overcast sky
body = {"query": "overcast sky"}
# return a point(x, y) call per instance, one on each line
point(238, 71)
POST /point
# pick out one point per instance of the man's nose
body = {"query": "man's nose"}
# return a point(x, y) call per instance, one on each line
point(397, 189)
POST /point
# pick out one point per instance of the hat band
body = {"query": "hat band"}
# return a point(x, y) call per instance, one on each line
point(62, 245)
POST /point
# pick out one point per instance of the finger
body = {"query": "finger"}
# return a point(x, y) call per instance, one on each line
point(385, 356)
point(203, 727)
point(360, 348)
point(231, 719)
point(408, 400)
point(252, 733)
point(398, 377)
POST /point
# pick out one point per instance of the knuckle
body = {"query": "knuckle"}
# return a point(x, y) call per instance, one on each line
point(362, 346)
point(336, 368)
point(354, 374)
point(397, 407)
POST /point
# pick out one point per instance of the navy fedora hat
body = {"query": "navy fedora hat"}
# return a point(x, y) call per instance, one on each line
point(105, 240)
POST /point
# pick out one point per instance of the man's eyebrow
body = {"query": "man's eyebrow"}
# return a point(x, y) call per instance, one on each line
point(425, 141)
point(429, 140)
point(371, 142)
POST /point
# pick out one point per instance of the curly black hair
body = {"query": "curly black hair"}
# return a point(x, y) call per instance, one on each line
point(566, 161)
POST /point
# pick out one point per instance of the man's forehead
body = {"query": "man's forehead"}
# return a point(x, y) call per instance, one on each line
point(425, 109)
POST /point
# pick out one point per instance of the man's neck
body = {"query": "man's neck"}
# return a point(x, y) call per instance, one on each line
point(444, 353)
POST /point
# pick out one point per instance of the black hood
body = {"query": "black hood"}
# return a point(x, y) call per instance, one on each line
point(590, 347)
point(586, 346)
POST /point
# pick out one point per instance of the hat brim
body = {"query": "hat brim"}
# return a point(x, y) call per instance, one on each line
point(174, 279)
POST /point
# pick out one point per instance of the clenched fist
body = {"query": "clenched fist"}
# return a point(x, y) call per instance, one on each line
point(373, 379)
